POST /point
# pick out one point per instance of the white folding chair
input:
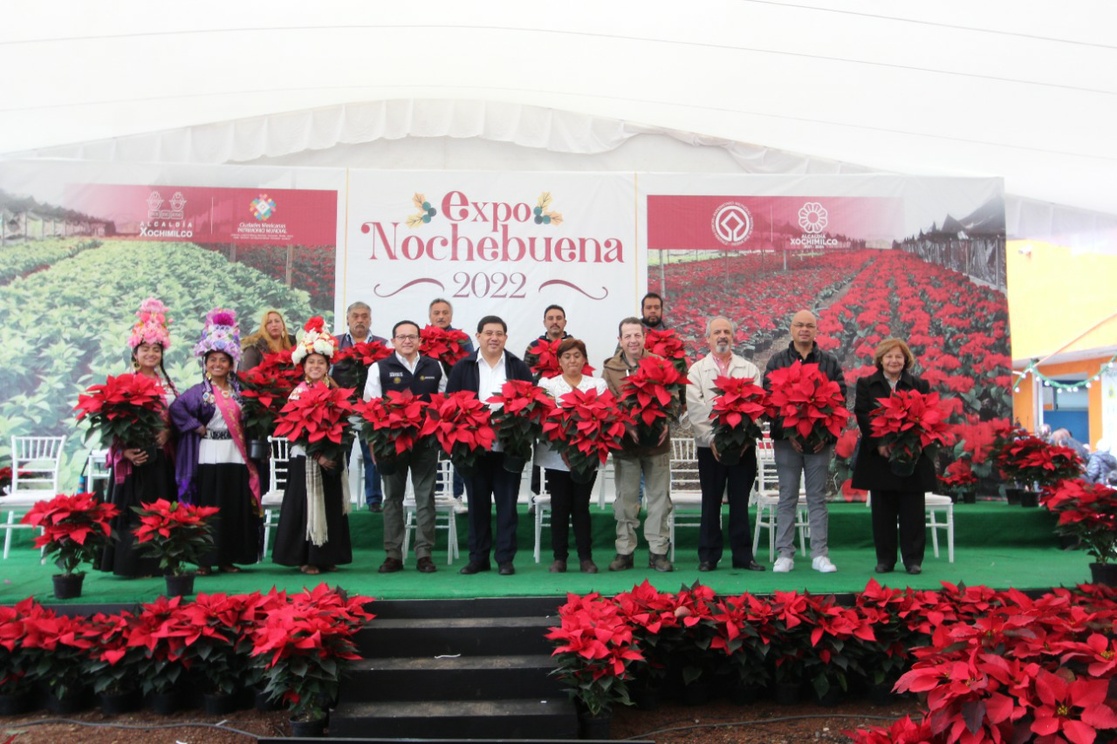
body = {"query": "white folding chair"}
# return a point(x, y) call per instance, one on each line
point(35, 466)
point(97, 470)
point(542, 502)
point(606, 472)
point(686, 489)
point(445, 511)
point(768, 499)
point(277, 484)
point(936, 503)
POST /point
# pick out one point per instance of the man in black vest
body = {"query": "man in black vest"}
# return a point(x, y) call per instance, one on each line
point(407, 370)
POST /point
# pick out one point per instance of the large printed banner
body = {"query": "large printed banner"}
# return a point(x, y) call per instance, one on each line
point(506, 244)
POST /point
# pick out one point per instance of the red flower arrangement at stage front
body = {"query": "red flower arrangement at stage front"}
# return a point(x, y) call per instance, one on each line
point(264, 391)
point(462, 424)
point(392, 425)
point(318, 419)
point(1087, 511)
point(806, 404)
point(736, 413)
point(669, 345)
point(585, 427)
point(542, 358)
point(1028, 459)
point(650, 395)
point(126, 409)
point(175, 532)
point(75, 528)
point(909, 423)
point(518, 421)
point(447, 345)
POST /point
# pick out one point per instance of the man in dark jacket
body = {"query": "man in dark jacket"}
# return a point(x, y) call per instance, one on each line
point(485, 372)
point(407, 370)
point(792, 463)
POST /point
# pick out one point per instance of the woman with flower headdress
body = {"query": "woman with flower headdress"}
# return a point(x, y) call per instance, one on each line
point(271, 337)
point(313, 529)
point(212, 467)
point(142, 475)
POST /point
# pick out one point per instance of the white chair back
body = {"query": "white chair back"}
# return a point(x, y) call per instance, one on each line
point(277, 465)
point(35, 465)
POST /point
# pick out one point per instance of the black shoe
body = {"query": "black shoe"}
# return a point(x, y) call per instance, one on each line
point(375, 508)
point(391, 565)
point(426, 565)
point(621, 562)
point(506, 569)
point(750, 566)
point(707, 565)
point(472, 568)
point(915, 569)
point(660, 563)
point(884, 568)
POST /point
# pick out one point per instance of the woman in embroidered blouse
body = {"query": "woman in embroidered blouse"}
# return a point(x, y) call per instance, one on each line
point(213, 468)
point(142, 475)
point(313, 529)
point(570, 500)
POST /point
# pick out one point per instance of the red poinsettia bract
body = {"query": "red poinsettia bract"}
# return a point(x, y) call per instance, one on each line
point(462, 424)
point(910, 422)
point(318, 419)
point(393, 423)
point(808, 405)
point(74, 527)
point(444, 344)
point(127, 408)
point(522, 407)
point(586, 426)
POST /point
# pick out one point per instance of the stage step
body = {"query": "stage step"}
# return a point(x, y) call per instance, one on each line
point(459, 669)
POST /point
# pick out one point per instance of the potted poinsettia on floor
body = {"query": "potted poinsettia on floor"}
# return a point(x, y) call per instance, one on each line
point(736, 413)
point(114, 664)
point(522, 407)
point(75, 529)
point(163, 632)
point(1088, 513)
point(585, 427)
point(1035, 465)
point(17, 685)
point(651, 395)
point(462, 425)
point(806, 405)
point(60, 646)
point(177, 534)
point(910, 423)
point(392, 426)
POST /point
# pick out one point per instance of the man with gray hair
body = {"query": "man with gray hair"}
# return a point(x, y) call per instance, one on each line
point(718, 471)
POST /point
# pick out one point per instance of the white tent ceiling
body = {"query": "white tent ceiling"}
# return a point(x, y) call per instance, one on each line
point(1026, 91)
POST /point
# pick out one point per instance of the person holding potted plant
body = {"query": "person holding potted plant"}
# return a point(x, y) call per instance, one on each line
point(142, 474)
point(570, 498)
point(213, 466)
point(895, 497)
point(313, 530)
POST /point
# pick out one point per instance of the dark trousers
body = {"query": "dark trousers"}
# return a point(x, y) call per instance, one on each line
point(910, 510)
point(714, 477)
point(570, 501)
point(374, 490)
point(489, 484)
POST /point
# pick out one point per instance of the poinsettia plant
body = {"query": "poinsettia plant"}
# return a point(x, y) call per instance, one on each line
point(958, 478)
point(317, 418)
point(667, 344)
point(18, 622)
point(5, 478)
point(1029, 460)
point(163, 633)
point(910, 423)
point(264, 391)
point(1088, 512)
point(114, 665)
point(806, 404)
point(651, 395)
point(447, 345)
point(518, 420)
point(585, 427)
point(174, 532)
point(542, 358)
point(126, 409)
point(75, 528)
point(392, 424)
point(60, 652)
point(352, 363)
point(736, 413)
point(462, 424)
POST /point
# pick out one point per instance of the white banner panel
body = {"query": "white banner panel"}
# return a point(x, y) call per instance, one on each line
point(506, 244)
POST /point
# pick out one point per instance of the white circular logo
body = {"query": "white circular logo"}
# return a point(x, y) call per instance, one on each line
point(813, 218)
point(732, 223)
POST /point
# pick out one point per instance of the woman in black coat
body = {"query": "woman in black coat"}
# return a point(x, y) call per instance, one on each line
point(894, 498)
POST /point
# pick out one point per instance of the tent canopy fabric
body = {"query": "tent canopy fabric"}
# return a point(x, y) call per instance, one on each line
point(1023, 91)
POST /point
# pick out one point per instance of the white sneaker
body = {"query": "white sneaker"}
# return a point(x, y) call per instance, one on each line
point(460, 507)
point(783, 565)
point(822, 564)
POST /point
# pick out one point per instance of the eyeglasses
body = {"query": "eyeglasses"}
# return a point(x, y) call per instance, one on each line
point(409, 337)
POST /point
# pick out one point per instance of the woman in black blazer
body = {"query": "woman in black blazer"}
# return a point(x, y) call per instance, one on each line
point(894, 498)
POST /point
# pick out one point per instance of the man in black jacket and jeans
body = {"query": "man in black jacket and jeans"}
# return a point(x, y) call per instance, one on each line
point(792, 463)
point(484, 372)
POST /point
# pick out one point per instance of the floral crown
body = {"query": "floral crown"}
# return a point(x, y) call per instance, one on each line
point(313, 339)
point(151, 328)
point(220, 333)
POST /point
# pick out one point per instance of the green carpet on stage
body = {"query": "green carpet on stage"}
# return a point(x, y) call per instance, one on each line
point(995, 545)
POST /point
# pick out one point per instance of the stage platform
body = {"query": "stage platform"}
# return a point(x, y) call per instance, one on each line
point(995, 545)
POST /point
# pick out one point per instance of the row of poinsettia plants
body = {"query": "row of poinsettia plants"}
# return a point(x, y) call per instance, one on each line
point(292, 646)
point(989, 666)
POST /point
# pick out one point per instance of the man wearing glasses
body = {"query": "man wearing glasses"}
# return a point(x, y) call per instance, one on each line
point(484, 372)
point(792, 462)
point(406, 369)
